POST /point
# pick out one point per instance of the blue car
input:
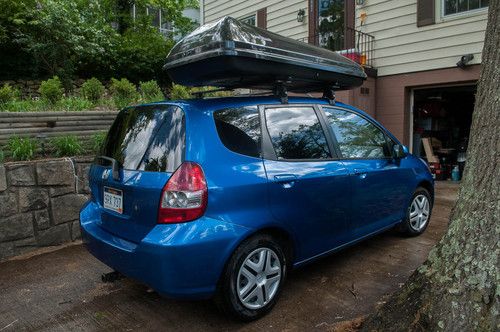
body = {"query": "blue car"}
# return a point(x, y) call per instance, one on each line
point(221, 198)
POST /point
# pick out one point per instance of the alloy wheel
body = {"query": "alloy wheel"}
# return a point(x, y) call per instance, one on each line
point(419, 212)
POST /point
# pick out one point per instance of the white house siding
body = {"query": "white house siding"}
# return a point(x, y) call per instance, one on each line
point(281, 15)
point(402, 47)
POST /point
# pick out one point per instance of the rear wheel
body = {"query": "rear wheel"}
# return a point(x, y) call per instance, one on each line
point(252, 279)
point(418, 213)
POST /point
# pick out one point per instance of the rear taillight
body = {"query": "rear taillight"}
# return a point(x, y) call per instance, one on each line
point(184, 197)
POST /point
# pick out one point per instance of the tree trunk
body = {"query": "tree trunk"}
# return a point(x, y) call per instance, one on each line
point(457, 288)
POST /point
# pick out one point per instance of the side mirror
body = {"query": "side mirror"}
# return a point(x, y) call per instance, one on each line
point(399, 151)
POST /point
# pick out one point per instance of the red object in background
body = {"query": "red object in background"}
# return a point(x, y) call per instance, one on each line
point(356, 57)
point(437, 171)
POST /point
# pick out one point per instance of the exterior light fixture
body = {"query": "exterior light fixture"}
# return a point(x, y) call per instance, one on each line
point(301, 15)
point(464, 60)
point(360, 2)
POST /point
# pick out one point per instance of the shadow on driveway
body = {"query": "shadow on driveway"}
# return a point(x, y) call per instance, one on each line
point(62, 291)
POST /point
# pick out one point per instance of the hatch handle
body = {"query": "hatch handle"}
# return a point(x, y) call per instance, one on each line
point(114, 166)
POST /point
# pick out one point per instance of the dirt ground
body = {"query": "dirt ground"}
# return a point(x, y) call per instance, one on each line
point(62, 291)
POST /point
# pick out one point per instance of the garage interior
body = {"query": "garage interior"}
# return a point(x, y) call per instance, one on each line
point(442, 118)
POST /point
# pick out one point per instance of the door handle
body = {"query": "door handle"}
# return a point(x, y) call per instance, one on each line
point(286, 180)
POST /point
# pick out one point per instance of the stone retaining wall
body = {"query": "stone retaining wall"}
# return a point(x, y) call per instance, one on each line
point(40, 203)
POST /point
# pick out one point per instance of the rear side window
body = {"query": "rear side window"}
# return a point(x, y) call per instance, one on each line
point(356, 136)
point(149, 138)
point(239, 129)
point(296, 133)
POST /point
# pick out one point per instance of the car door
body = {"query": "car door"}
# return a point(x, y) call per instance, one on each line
point(308, 188)
point(379, 182)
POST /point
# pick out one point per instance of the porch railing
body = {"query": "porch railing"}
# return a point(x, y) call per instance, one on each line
point(353, 44)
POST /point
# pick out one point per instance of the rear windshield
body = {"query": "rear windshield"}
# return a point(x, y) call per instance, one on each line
point(147, 138)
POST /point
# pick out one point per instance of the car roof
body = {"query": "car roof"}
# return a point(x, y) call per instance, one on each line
point(214, 104)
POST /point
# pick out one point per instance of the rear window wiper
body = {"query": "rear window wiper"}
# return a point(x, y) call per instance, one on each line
point(114, 166)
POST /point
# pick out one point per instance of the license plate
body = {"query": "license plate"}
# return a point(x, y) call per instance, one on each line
point(113, 199)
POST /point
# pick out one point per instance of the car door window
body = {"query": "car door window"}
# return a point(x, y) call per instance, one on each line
point(296, 133)
point(356, 136)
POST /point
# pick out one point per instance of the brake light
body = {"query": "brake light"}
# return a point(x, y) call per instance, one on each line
point(184, 197)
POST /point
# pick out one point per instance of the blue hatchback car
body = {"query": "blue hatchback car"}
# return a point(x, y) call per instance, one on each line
point(223, 197)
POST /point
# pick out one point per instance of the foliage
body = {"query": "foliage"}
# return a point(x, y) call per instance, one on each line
point(73, 104)
point(92, 90)
point(150, 91)
point(2, 156)
point(66, 145)
point(97, 140)
point(22, 148)
point(183, 92)
point(69, 104)
point(8, 94)
point(51, 90)
point(331, 26)
point(124, 93)
point(41, 38)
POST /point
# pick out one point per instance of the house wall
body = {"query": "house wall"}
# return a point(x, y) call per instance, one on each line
point(281, 15)
point(393, 94)
point(402, 47)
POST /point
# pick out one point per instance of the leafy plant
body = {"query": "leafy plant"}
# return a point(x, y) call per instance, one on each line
point(51, 90)
point(92, 90)
point(22, 148)
point(123, 92)
point(97, 140)
point(66, 145)
point(150, 91)
point(8, 94)
point(180, 92)
point(72, 104)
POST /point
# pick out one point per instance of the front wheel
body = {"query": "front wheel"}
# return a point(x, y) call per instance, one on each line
point(252, 279)
point(418, 213)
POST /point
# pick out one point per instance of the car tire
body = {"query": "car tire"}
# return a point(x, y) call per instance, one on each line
point(249, 287)
point(418, 213)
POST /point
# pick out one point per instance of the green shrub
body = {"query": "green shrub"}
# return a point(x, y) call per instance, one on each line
point(97, 140)
point(92, 90)
point(51, 90)
point(22, 148)
point(71, 104)
point(66, 146)
point(150, 91)
point(8, 94)
point(123, 92)
point(180, 92)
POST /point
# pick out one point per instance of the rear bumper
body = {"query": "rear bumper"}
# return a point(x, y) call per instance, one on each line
point(177, 260)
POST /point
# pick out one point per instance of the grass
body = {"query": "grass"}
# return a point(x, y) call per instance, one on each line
point(68, 104)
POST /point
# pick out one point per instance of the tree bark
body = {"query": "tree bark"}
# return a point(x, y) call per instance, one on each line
point(457, 288)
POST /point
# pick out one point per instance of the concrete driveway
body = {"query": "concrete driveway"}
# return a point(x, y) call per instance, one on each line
point(62, 291)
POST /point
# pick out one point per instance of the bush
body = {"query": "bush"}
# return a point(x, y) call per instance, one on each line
point(51, 90)
point(22, 148)
point(72, 104)
point(180, 92)
point(66, 146)
point(123, 92)
point(8, 94)
point(150, 91)
point(97, 141)
point(92, 90)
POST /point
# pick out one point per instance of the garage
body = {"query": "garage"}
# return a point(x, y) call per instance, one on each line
point(442, 117)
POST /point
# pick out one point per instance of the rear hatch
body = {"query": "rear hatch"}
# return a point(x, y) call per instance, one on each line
point(148, 144)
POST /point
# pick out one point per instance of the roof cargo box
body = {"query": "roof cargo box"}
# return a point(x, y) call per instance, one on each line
point(231, 54)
